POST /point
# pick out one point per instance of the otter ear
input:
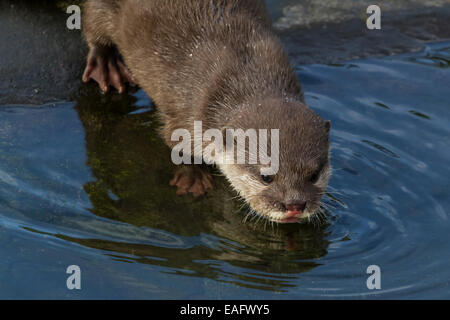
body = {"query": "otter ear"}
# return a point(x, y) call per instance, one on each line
point(328, 125)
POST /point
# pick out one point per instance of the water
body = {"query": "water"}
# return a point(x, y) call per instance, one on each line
point(86, 183)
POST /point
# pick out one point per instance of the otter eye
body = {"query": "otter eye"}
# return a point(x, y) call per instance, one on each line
point(315, 175)
point(267, 179)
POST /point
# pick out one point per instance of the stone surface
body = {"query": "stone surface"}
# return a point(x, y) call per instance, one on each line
point(42, 61)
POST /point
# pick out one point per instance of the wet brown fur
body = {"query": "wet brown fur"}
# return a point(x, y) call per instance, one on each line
point(218, 61)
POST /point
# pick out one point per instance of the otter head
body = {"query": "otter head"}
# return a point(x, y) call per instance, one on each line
point(293, 191)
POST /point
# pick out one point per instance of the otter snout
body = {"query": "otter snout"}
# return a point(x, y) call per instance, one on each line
point(293, 212)
point(294, 208)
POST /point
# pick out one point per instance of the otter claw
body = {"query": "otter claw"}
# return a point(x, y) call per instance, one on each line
point(104, 67)
point(191, 180)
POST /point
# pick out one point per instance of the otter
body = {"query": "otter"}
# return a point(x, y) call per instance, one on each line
point(220, 62)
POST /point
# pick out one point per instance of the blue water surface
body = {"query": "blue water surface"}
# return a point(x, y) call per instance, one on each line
point(86, 183)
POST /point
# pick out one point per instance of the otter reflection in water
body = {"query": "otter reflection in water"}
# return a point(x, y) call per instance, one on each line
point(132, 168)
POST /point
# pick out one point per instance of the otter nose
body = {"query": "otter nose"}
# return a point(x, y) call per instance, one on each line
point(295, 206)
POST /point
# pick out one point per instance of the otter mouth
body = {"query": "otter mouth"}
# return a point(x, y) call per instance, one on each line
point(284, 213)
point(290, 220)
point(289, 217)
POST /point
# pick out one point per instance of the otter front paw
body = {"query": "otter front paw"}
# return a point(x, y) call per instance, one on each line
point(190, 179)
point(106, 68)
